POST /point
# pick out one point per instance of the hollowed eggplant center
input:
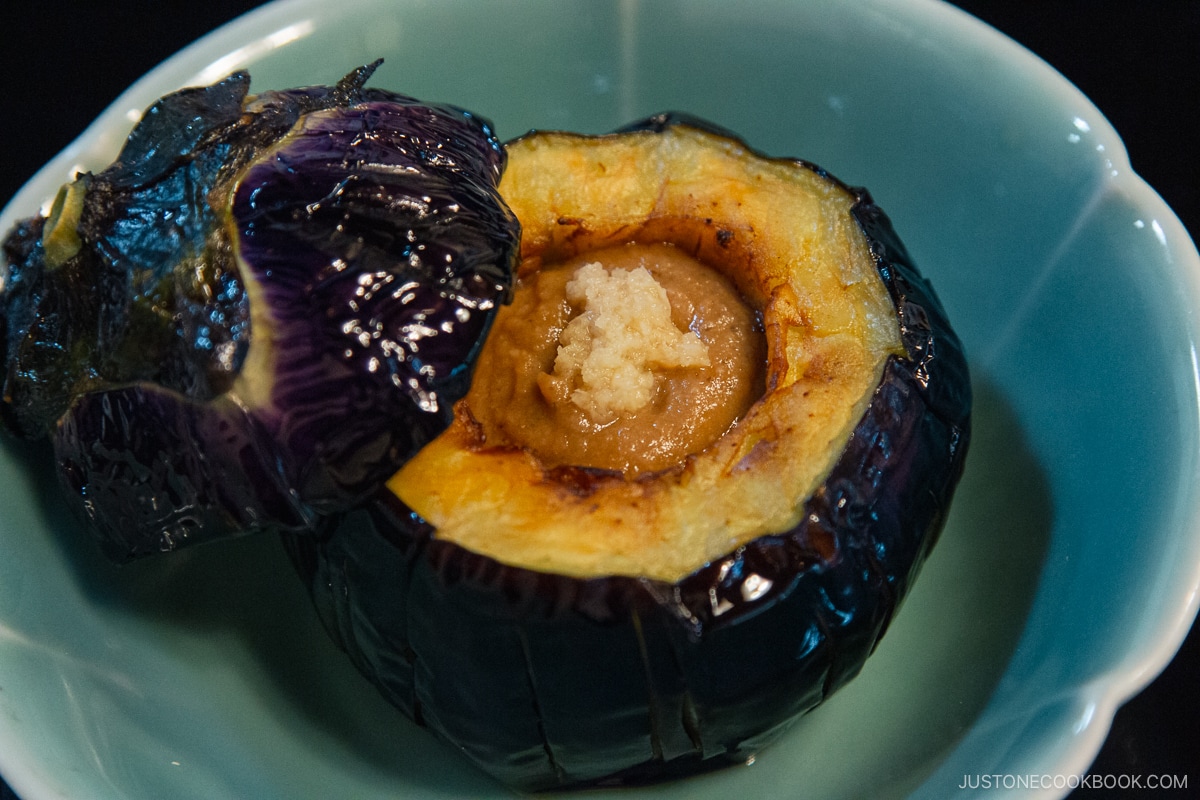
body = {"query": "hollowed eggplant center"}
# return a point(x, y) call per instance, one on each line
point(784, 236)
point(590, 368)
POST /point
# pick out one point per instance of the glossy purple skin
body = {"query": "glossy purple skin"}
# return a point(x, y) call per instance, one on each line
point(547, 681)
point(381, 285)
point(371, 226)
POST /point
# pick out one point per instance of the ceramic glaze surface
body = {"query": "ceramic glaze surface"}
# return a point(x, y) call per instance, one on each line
point(1069, 281)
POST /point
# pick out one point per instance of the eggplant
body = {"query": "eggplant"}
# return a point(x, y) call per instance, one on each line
point(259, 311)
point(572, 625)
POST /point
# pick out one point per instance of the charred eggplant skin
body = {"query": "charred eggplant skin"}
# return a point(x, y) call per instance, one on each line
point(259, 311)
point(623, 680)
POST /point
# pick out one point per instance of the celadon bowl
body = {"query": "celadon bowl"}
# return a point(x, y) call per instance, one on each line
point(1067, 574)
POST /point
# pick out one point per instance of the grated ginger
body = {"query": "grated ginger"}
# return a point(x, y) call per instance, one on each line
point(611, 350)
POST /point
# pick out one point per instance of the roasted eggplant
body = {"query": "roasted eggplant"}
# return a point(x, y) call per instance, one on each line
point(581, 618)
point(259, 311)
point(629, 527)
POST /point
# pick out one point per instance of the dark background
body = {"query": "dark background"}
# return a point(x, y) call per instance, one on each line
point(63, 61)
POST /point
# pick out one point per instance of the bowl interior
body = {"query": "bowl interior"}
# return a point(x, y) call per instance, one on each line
point(1061, 582)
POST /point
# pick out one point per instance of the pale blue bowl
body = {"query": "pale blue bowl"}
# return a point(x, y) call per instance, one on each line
point(1067, 575)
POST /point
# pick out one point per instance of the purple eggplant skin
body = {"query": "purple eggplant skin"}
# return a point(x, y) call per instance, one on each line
point(265, 305)
point(548, 681)
point(389, 284)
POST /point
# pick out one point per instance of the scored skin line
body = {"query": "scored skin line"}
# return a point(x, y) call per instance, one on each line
point(653, 704)
point(527, 656)
point(689, 713)
point(412, 656)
